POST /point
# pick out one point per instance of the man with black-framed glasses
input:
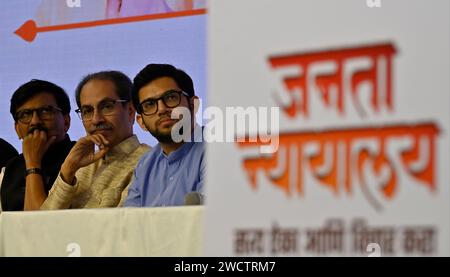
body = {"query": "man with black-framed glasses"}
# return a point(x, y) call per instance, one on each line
point(171, 170)
point(91, 178)
point(41, 118)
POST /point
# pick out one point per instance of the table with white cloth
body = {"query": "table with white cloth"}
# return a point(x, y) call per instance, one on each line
point(167, 231)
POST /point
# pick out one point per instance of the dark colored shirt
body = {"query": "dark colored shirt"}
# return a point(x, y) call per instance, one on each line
point(7, 152)
point(13, 185)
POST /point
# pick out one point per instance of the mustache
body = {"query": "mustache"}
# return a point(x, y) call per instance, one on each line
point(168, 116)
point(37, 127)
point(165, 117)
point(100, 127)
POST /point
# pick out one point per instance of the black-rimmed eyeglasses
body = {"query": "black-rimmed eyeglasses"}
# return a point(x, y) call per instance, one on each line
point(106, 107)
point(171, 99)
point(44, 113)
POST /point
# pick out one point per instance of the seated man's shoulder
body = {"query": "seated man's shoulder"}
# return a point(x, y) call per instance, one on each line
point(149, 156)
point(13, 176)
point(141, 152)
point(15, 163)
point(199, 149)
point(201, 145)
point(143, 148)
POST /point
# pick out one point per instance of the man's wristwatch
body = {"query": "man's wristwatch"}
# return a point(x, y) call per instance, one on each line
point(34, 170)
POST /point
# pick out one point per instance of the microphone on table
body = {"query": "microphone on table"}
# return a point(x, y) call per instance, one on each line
point(194, 198)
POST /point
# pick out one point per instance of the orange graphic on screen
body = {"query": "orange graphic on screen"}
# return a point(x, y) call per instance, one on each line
point(371, 157)
point(334, 74)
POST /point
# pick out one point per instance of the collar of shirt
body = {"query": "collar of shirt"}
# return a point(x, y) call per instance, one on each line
point(122, 149)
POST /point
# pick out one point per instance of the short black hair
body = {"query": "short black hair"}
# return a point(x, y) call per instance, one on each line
point(155, 71)
point(34, 87)
point(120, 80)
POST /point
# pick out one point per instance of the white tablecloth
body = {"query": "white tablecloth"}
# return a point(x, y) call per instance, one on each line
point(172, 231)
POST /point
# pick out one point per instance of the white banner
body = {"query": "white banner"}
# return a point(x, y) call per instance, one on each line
point(361, 167)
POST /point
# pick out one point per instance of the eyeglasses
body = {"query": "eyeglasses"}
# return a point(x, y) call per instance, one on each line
point(171, 99)
point(106, 107)
point(44, 113)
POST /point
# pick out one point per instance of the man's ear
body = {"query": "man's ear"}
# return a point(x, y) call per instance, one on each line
point(131, 111)
point(140, 121)
point(194, 104)
point(16, 127)
point(131, 108)
point(66, 122)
